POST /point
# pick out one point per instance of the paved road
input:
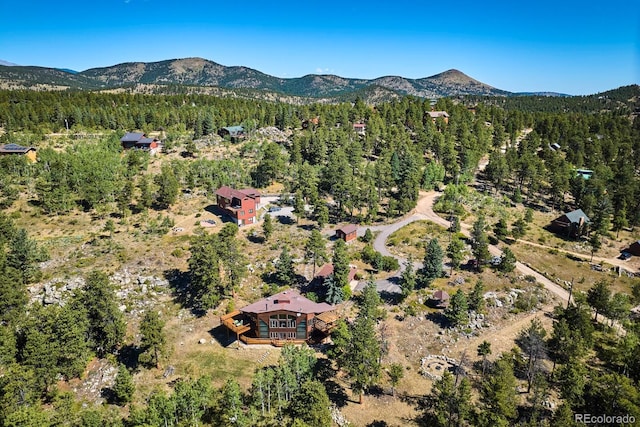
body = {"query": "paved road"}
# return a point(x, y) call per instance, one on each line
point(424, 211)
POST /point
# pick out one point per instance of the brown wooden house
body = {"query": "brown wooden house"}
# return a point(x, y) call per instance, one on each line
point(572, 224)
point(140, 141)
point(281, 318)
point(347, 233)
point(634, 248)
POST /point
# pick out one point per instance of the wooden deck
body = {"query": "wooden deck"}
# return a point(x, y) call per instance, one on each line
point(273, 342)
point(237, 326)
point(326, 322)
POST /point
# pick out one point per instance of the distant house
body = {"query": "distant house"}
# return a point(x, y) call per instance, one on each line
point(140, 141)
point(360, 128)
point(233, 132)
point(584, 173)
point(15, 149)
point(310, 122)
point(634, 248)
point(347, 233)
point(327, 270)
point(572, 224)
point(439, 114)
point(241, 205)
point(281, 318)
point(554, 147)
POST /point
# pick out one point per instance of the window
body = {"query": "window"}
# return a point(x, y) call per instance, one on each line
point(250, 210)
point(241, 213)
point(282, 321)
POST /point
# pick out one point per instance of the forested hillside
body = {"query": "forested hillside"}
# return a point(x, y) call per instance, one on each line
point(89, 210)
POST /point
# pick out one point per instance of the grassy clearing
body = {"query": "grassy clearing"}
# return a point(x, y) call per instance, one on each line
point(412, 239)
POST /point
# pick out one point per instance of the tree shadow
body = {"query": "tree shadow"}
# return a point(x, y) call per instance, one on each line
point(179, 283)
point(254, 238)
point(223, 336)
point(337, 393)
point(108, 394)
point(378, 423)
point(285, 220)
point(129, 356)
point(439, 319)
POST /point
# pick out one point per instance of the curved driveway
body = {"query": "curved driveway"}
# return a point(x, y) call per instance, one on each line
point(424, 211)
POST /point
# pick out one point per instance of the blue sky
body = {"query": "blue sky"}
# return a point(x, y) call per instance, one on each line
point(564, 46)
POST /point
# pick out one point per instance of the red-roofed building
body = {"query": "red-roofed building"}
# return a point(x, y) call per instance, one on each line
point(241, 205)
point(347, 233)
point(360, 128)
point(284, 317)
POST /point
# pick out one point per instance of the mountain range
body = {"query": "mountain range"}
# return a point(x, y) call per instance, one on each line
point(201, 75)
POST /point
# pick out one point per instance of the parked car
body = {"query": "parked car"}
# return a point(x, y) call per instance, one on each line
point(274, 208)
point(625, 255)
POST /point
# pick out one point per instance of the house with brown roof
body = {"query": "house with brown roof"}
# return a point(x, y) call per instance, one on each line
point(140, 141)
point(15, 149)
point(440, 299)
point(240, 205)
point(234, 133)
point(360, 128)
point(286, 317)
point(347, 233)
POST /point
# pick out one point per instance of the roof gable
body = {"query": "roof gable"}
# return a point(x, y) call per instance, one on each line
point(132, 136)
point(574, 216)
point(228, 193)
point(348, 229)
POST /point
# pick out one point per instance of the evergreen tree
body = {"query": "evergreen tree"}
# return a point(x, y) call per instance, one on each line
point(396, 372)
point(310, 404)
point(285, 273)
point(146, 193)
point(476, 297)
point(519, 229)
point(168, 186)
point(333, 292)
point(448, 405)
point(595, 243)
point(507, 261)
point(457, 312)
point(480, 242)
point(153, 339)
point(315, 250)
point(267, 227)
point(408, 278)
point(204, 272)
point(106, 322)
point(498, 396)
point(598, 297)
point(455, 252)
point(123, 388)
point(322, 214)
point(500, 229)
point(340, 262)
point(432, 264)
point(531, 341)
point(484, 349)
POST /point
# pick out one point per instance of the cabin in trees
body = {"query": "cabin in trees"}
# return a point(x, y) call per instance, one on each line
point(439, 114)
point(347, 233)
point(232, 132)
point(15, 149)
point(360, 128)
point(140, 141)
point(572, 224)
point(240, 205)
point(634, 248)
point(286, 317)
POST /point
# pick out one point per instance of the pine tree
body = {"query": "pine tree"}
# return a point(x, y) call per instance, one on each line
point(333, 292)
point(340, 262)
point(123, 388)
point(599, 297)
point(168, 186)
point(153, 339)
point(267, 227)
point(455, 252)
point(507, 261)
point(432, 264)
point(285, 273)
point(315, 249)
point(457, 312)
point(408, 278)
point(498, 396)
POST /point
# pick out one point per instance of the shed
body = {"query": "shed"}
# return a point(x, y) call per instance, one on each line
point(440, 298)
point(347, 233)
